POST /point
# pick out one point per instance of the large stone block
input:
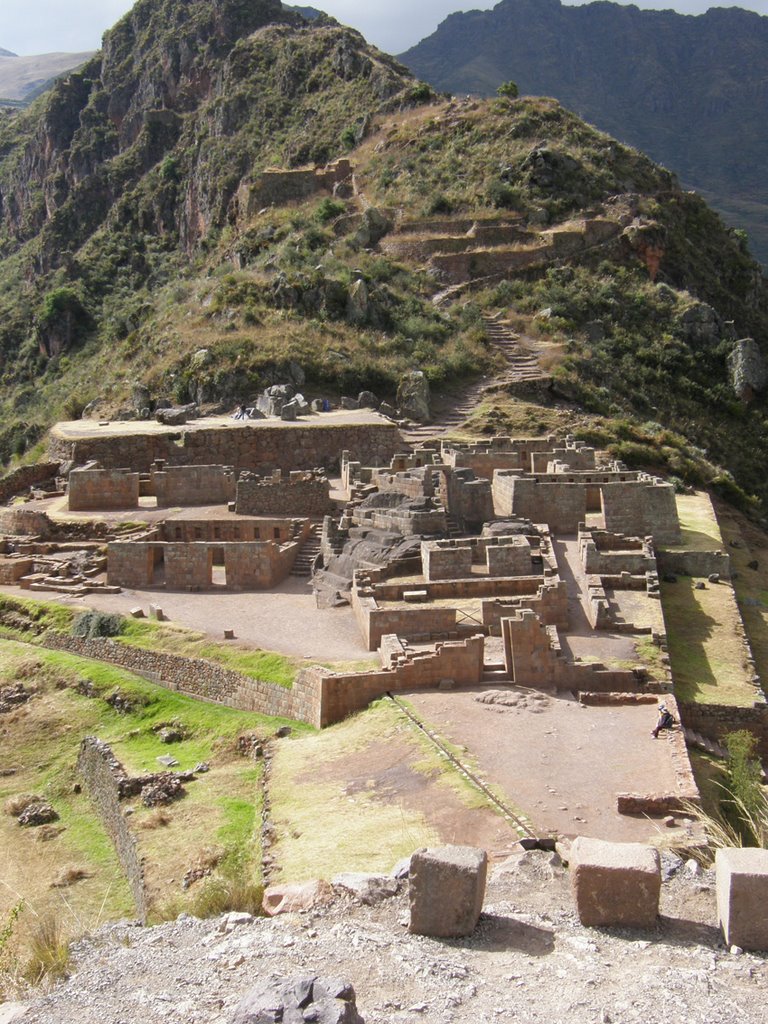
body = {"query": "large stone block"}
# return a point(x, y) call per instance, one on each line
point(742, 897)
point(615, 883)
point(447, 887)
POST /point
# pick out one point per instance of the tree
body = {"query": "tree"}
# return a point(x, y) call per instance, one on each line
point(508, 89)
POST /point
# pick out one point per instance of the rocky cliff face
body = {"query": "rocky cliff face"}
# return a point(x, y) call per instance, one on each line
point(689, 91)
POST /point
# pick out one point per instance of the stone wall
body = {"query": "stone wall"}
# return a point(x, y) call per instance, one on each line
point(246, 446)
point(550, 603)
point(192, 485)
point(101, 771)
point(21, 522)
point(232, 530)
point(453, 559)
point(248, 565)
point(634, 504)
point(446, 560)
point(92, 489)
point(696, 563)
point(533, 658)
point(298, 494)
point(318, 697)
point(416, 622)
point(21, 479)
point(473, 587)
point(558, 502)
point(609, 554)
point(204, 680)
point(715, 721)
point(456, 268)
point(13, 568)
point(460, 661)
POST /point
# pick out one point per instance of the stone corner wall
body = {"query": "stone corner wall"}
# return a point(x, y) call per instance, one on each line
point(102, 772)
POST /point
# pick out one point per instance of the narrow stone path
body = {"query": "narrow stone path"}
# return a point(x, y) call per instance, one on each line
point(452, 408)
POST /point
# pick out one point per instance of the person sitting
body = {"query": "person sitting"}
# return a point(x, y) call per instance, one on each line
point(665, 721)
point(242, 413)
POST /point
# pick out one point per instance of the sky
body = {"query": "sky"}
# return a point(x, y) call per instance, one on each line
point(45, 26)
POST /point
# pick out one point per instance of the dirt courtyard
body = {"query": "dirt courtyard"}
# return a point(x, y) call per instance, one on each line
point(285, 619)
point(559, 762)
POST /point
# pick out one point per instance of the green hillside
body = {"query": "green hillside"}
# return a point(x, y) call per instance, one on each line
point(140, 248)
point(689, 91)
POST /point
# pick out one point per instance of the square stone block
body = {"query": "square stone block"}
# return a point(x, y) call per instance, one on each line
point(447, 888)
point(615, 883)
point(742, 897)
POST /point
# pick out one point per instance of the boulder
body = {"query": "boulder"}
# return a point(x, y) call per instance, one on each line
point(358, 304)
point(290, 411)
point(367, 400)
point(176, 417)
point(369, 889)
point(413, 396)
point(615, 883)
point(293, 898)
point(446, 890)
point(140, 397)
point(700, 325)
point(742, 892)
point(747, 369)
point(299, 999)
point(375, 224)
point(350, 404)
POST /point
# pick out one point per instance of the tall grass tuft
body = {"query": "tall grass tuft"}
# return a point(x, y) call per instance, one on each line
point(49, 951)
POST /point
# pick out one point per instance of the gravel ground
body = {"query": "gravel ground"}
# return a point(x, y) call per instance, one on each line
point(529, 960)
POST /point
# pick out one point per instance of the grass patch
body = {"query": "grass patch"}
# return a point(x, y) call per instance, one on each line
point(747, 544)
point(707, 655)
point(698, 523)
point(41, 741)
point(262, 665)
point(355, 797)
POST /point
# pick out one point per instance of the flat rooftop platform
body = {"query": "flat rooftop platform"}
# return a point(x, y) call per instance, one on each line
point(85, 430)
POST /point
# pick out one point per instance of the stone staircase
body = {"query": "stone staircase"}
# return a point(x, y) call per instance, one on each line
point(695, 739)
point(310, 549)
point(523, 365)
point(522, 370)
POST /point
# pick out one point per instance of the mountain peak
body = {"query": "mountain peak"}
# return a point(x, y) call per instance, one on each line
point(7, 53)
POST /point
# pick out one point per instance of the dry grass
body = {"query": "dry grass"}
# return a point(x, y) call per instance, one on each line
point(69, 876)
point(159, 818)
point(49, 950)
point(16, 805)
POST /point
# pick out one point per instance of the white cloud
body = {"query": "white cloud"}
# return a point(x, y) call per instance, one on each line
point(41, 26)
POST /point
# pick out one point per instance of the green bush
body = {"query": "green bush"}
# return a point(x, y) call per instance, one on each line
point(95, 624)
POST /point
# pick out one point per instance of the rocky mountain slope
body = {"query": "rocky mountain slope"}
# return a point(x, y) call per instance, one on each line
point(23, 78)
point(155, 243)
point(689, 91)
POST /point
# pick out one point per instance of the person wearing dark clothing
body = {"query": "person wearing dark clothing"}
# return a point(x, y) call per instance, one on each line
point(665, 721)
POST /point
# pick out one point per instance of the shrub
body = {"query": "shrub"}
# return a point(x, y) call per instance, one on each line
point(508, 89)
point(94, 624)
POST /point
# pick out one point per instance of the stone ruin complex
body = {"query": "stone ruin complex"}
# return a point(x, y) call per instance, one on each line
point(461, 564)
